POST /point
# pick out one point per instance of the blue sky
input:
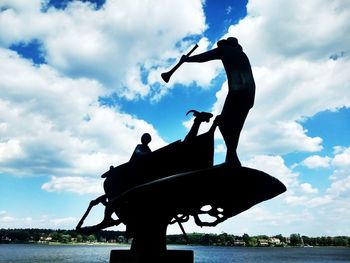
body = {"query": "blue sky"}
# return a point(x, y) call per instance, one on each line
point(80, 83)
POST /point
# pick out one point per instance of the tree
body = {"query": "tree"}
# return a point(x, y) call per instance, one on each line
point(307, 240)
point(341, 241)
point(65, 238)
point(91, 238)
point(56, 236)
point(246, 238)
point(206, 240)
point(295, 240)
point(223, 237)
point(79, 238)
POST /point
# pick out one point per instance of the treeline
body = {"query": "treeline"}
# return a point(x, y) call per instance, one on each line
point(71, 236)
point(295, 240)
point(34, 235)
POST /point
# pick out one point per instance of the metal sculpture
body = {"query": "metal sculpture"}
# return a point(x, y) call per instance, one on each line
point(179, 181)
point(172, 184)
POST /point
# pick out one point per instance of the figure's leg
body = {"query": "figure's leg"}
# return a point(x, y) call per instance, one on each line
point(231, 137)
point(231, 142)
point(230, 129)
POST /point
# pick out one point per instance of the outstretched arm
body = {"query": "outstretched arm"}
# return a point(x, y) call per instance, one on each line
point(203, 57)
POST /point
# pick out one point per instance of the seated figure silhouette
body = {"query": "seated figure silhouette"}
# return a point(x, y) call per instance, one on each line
point(241, 91)
point(142, 149)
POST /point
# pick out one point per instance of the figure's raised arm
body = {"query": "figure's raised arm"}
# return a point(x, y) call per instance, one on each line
point(202, 57)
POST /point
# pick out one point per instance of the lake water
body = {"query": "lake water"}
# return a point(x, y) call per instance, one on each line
point(203, 254)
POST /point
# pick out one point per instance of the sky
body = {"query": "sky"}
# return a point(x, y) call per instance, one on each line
point(80, 83)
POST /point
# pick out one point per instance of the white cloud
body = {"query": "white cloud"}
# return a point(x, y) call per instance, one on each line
point(111, 44)
point(44, 221)
point(298, 194)
point(74, 184)
point(51, 121)
point(275, 137)
point(295, 200)
point(53, 125)
point(316, 161)
point(340, 187)
point(340, 178)
point(319, 201)
point(7, 219)
point(9, 149)
point(308, 189)
point(61, 222)
point(220, 148)
point(342, 159)
point(268, 34)
point(338, 149)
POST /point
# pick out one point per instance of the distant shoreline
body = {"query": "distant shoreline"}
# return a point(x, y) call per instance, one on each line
point(127, 245)
point(118, 238)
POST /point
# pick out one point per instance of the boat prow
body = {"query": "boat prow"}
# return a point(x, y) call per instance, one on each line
point(227, 189)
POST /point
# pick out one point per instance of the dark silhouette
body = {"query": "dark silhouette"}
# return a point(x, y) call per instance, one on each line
point(199, 118)
point(173, 183)
point(241, 91)
point(152, 190)
point(142, 148)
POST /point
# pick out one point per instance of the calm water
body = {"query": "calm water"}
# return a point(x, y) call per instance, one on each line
point(79, 254)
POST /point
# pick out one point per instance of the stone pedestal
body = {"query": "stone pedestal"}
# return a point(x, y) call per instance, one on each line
point(169, 256)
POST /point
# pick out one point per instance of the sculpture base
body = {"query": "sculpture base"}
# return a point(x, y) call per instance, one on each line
point(169, 256)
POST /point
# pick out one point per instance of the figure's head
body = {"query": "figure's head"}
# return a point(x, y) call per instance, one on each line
point(231, 41)
point(146, 138)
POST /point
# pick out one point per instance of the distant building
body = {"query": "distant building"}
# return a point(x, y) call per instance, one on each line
point(44, 239)
point(239, 243)
point(263, 243)
point(5, 240)
point(274, 241)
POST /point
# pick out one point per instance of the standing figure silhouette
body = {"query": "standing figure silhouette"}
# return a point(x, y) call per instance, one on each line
point(241, 91)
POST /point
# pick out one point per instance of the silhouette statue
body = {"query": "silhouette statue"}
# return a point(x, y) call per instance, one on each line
point(173, 183)
point(241, 91)
point(142, 149)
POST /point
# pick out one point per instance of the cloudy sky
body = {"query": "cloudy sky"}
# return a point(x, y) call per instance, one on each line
point(80, 83)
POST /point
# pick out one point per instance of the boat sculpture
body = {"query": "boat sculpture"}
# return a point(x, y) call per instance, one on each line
point(174, 183)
